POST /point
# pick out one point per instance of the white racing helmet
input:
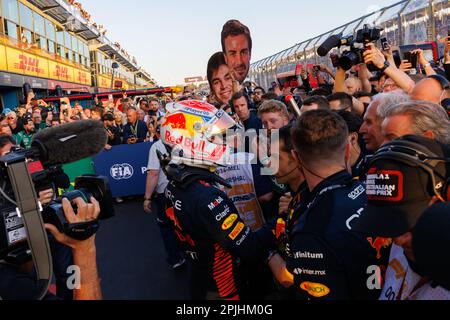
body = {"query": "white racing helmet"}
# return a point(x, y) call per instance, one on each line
point(195, 133)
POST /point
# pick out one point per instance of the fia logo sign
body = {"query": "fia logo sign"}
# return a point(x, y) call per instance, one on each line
point(122, 171)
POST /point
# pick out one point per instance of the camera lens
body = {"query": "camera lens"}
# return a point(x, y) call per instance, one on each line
point(349, 59)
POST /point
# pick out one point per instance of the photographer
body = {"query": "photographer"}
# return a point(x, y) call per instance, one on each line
point(18, 283)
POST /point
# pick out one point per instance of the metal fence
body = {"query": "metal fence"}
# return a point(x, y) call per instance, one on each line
point(405, 22)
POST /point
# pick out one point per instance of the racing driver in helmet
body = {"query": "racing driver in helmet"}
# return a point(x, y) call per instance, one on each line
point(206, 221)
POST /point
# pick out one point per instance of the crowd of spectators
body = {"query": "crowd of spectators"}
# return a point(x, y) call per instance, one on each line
point(372, 143)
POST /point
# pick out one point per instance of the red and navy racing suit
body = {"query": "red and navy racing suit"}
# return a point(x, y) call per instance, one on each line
point(208, 224)
point(327, 258)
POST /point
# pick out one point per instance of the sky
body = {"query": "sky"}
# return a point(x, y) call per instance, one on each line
point(174, 39)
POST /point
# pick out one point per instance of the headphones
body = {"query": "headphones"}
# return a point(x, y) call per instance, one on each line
point(416, 155)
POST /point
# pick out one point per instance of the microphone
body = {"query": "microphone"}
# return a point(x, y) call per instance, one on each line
point(294, 105)
point(332, 42)
point(69, 142)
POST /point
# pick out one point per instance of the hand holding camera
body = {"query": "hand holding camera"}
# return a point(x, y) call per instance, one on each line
point(372, 55)
point(420, 57)
point(86, 212)
point(405, 65)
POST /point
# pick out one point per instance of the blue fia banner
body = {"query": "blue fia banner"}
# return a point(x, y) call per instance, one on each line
point(126, 168)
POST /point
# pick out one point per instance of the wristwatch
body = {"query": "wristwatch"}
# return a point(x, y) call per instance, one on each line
point(386, 65)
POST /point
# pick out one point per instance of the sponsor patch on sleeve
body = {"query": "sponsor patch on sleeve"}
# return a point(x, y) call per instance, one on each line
point(316, 290)
point(385, 185)
point(236, 231)
point(228, 223)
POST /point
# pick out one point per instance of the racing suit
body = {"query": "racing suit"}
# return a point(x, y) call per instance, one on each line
point(213, 234)
point(328, 260)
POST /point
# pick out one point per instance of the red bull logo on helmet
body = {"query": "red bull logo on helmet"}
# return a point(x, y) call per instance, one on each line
point(176, 121)
point(199, 150)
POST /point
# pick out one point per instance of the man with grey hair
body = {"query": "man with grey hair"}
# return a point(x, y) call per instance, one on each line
point(416, 118)
point(371, 128)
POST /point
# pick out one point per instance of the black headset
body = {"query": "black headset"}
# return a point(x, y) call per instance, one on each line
point(414, 154)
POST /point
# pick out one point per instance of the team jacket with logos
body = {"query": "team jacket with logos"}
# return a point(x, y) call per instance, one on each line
point(329, 260)
point(208, 224)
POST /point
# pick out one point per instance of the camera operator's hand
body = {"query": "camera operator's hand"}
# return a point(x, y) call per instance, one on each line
point(374, 55)
point(84, 252)
point(46, 196)
point(86, 212)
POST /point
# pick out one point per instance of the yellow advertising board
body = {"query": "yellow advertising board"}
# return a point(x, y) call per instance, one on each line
point(3, 65)
point(104, 82)
point(82, 77)
point(60, 71)
point(20, 62)
point(24, 63)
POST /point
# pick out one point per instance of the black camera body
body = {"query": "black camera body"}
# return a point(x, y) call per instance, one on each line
point(13, 236)
point(86, 186)
point(355, 55)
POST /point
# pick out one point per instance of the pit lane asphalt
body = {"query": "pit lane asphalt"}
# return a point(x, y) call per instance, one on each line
point(131, 258)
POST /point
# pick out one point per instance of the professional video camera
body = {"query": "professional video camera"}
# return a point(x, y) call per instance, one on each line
point(23, 173)
point(354, 56)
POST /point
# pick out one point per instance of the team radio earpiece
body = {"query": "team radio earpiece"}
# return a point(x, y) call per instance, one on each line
point(416, 155)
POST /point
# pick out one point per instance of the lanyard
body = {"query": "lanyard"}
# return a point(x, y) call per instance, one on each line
point(134, 130)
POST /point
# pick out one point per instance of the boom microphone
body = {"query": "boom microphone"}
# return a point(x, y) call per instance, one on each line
point(69, 142)
point(332, 42)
